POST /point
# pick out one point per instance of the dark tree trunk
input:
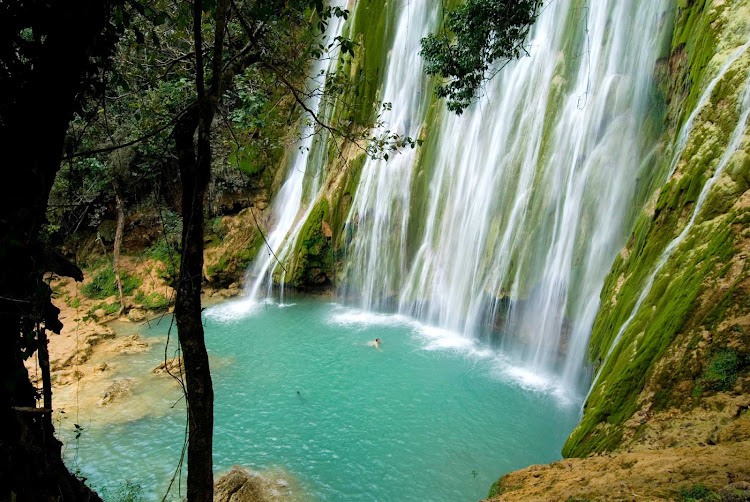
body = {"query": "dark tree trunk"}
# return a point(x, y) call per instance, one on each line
point(120, 206)
point(194, 159)
point(43, 358)
point(194, 173)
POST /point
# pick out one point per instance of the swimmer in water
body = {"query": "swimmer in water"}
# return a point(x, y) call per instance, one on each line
point(374, 343)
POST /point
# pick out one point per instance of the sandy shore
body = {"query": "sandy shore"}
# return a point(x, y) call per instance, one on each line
point(96, 376)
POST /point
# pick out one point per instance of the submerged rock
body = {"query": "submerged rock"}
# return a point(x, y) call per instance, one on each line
point(133, 344)
point(117, 390)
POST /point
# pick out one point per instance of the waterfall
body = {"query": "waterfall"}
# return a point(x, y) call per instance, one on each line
point(380, 209)
point(303, 181)
point(527, 193)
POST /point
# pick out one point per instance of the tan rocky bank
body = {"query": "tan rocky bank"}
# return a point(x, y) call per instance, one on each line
point(701, 454)
point(669, 474)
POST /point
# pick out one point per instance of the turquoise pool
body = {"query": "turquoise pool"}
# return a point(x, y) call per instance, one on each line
point(430, 416)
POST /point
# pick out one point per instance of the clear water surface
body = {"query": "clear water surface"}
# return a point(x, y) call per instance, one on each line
point(432, 416)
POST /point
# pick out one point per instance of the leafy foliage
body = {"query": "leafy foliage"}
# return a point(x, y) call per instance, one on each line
point(153, 301)
point(697, 493)
point(167, 255)
point(722, 372)
point(476, 35)
point(108, 308)
point(103, 284)
point(150, 83)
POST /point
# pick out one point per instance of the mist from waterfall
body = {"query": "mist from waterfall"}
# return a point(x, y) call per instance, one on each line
point(528, 193)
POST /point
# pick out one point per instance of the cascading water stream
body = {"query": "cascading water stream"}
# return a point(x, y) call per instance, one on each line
point(735, 141)
point(527, 192)
point(302, 184)
point(687, 127)
point(380, 210)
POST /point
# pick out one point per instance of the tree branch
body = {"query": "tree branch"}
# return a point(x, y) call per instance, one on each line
point(88, 153)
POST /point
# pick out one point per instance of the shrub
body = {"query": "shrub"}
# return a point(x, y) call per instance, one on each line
point(154, 301)
point(697, 493)
point(497, 488)
point(722, 371)
point(166, 254)
point(103, 284)
point(109, 308)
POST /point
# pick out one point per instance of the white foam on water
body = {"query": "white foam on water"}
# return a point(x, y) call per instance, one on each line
point(363, 318)
point(444, 339)
point(434, 338)
point(532, 380)
point(233, 310)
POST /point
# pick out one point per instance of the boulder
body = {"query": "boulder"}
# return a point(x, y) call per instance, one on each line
point(242, 485)
point(136, 315)
point(172, 366)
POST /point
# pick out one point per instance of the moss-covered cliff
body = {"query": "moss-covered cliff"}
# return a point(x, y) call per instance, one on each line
point(318, 250)
point(688, 340)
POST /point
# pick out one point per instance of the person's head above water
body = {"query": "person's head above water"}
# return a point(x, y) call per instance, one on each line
point(377, 340)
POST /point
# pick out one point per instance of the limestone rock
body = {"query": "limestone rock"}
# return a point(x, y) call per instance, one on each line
point(133, 344)
point(136, 315)
point(242, 485)
point(172, 366)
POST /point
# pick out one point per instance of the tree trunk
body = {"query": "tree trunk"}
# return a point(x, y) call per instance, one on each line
point(118, 243)
point(43, 358)
point(194, 175)
point(195, 171)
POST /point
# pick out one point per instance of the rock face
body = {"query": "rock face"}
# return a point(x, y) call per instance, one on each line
point(235, 241)
point(242, 485)
point(703, 473)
